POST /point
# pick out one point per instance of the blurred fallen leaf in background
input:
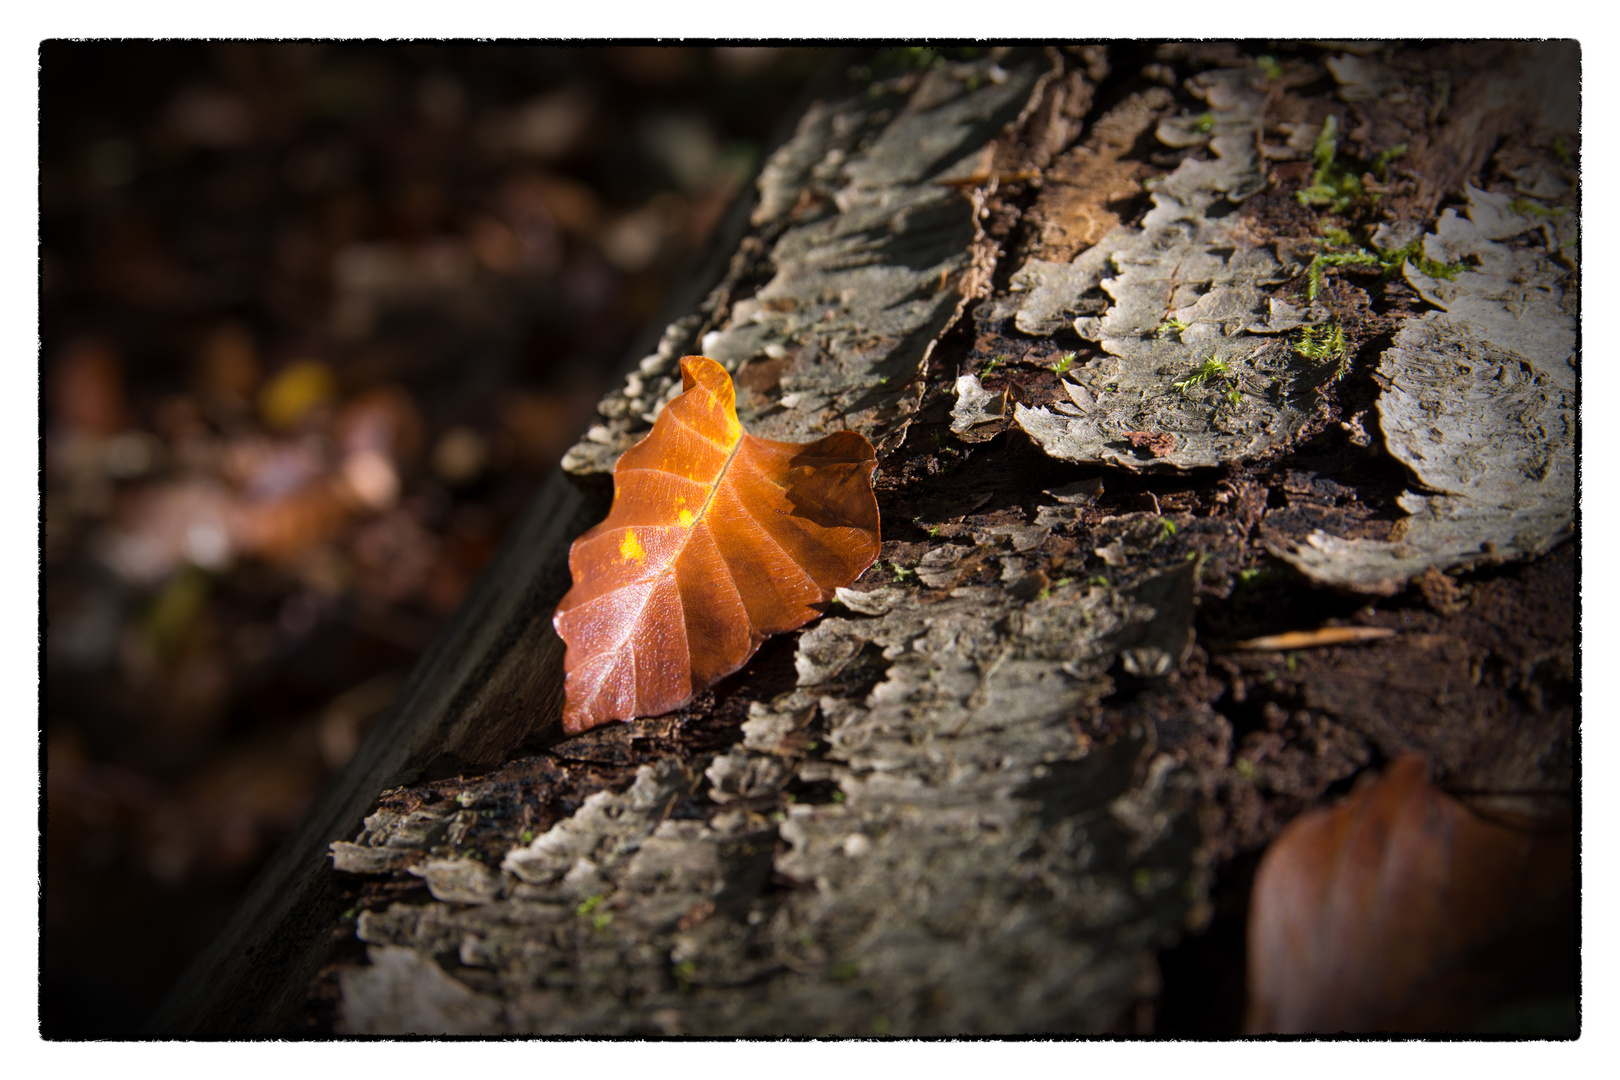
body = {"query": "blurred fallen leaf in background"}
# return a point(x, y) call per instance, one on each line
point(294, 391)
point(1401, 909)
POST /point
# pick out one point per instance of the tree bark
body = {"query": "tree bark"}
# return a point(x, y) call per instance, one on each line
point(1128, 419)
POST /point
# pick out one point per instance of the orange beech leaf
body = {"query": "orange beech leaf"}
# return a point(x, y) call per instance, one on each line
point(716, 540)
point(1403, 910)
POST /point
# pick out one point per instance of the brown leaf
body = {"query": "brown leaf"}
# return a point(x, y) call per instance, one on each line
point(1403, 910)
point(716, 540)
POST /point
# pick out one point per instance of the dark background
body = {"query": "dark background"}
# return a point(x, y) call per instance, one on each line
point(315, 320)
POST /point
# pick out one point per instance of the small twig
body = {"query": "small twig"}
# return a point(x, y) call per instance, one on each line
point(1310, 639)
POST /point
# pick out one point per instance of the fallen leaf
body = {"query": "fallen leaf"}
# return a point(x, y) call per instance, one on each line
point(1403, 910)
point(294, 391)
point(87, 389)
point(716, 540)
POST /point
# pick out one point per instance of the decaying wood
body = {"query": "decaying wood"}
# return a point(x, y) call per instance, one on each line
point(989, 786)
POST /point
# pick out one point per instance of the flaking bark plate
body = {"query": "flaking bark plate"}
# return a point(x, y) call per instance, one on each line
point(1479, 405)
point(1183, 267)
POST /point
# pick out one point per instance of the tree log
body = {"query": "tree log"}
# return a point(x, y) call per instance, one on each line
point(1121, 322)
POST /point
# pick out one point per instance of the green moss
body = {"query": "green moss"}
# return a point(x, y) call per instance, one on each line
point(1269, 67)
point(1387, 260)
point(1213, 368)
point(1256, 576)
point(1326, 146)
point(1325, 344)
point(1063, 363)
point(1336, 182)
point(1336, 186)
point(1205, 124)
point(1380, 164)
point(1530, 208)
point(1332, 185)
point(1171, 326)
point(1323, 261)
point(1321, 342)
point(1413, 253)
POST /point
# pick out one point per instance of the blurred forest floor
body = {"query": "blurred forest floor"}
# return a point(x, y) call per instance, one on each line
point(315, 321)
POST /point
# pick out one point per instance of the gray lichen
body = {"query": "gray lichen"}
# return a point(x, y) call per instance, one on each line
point(975, 405)
point(459, 881)
point(1479, 405)
point(393, 841)
point(1187, 293)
